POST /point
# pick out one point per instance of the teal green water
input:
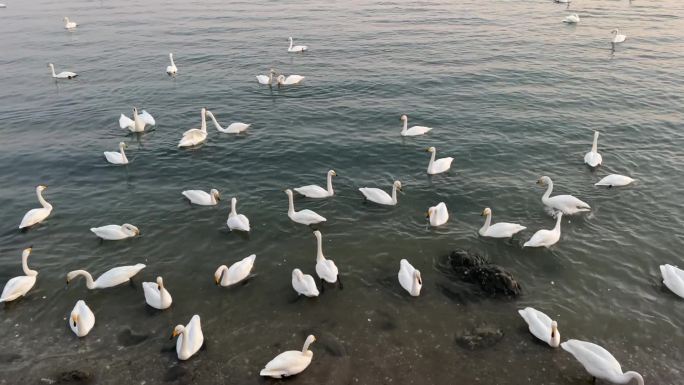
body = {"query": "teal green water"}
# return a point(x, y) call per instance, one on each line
point(512, 94)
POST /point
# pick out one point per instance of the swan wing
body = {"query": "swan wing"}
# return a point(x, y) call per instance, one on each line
point(406, 273)
point(192, 137)
point(568, 204)
point(263, 79)
point(673, 278)
point(194, 328)
point(238, 222)
point(615, 180)
point(504, 230)
point(293, 79)
point(287, 364)
point(327, 270)
point(198, 197)
point(118, 275)
point(417, 130)
point(17, 287)
point(310, 216)
point(441, 165)
point(152, 294)
point(147, 118)
point(86, 318)
point(376, 195)
point(595, 359)
point(34, 216)
point(113, 157)
point(312, 191)
point(538, 322)
point(540, 238)
point(126, 122)
point(593, 159)
point(109, 232)
point(239, 270)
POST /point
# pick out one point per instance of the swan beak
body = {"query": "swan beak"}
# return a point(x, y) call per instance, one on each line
point(173, 335)
point(427, 214)
point(216, 280)
point(482, 214)
point(74, 317)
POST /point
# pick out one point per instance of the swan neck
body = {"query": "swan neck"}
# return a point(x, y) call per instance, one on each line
point(123, 154)
point(24, 266)
point(172, 63)
point(558, 222)
point(90, 284)
point(233, 203)
point(394, 194)
point(42, 200)
point(185, 341)
point(52, 68)
point(216, 124)
point(305, 348)
point(290, 43)
point(319, 250)
point(290, 209)
point(488, 222)
point(594, 145)
point(432, 157)
point(633, 375)
point(549, 189)
point(330, 187)
point(203, 127)
point(405, 126)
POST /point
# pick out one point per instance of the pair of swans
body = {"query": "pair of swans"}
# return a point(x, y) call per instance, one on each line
point(237, 221)
point(68, 24)
point(63, 74)
point(617, 37)
point(203, 198)
point(114, 157)
point(572, 19)
point(410, 278)
point(171, 70)
point(413, 131)
point(440, 165)
point(195, 136)
point(546, 238)
point(304, 284)
point(191, 338)
point(567, 204)
point(35, 216)
point(290, 362)
point(138, 123)
point(110, 278)
point(81, 319)
point(116, 232)
point(673, 278)
point(593, 158)
point(380, 197)
point(156, 294)
point(314, 191)
point(598, 362)
point(238, 271)
point(438, 215)
point(498, 230)
point(305, 217)
point(18, 286)
point(541, 326)
point(233, 128)
point(296, 48)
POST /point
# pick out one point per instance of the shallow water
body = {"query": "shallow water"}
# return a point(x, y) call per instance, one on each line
point(512, 94)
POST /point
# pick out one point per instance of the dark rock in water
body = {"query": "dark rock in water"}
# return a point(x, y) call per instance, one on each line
point(74, 377)
point(483, 336)
point(127, 338)
point(9, 357)
point(493, 279)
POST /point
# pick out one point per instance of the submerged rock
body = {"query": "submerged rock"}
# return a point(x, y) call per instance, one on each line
point(483, 336)
point(74, 377)
point(474, 268)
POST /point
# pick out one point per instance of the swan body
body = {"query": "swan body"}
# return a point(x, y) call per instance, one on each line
point(567, 204)
point(314, 191)
point(541, 326)
point(19, 286)
point(233, 128)
point(290, 80)
point(156, 294)
point(226, 276)
point(673, 278)
point(410, 278)
point(203, 198)
point(114, 157)
point(614, 180)
point(440, 165)
point(172, 69)
point(572, 19)
point(63, 74)
point(593, 158)
point(236, 221)
point(3, 5)
point(290, 362)
point(617, 36)
point(498, 230)
point(438, 215)
point(116, 232)
point(304, 284)
point(195, 136)
point(546, 238)
point(599, 362)
point(562, 1)
point(266, 80)
point(305, 217)
point(379, 196)
point(35, 216)
point(325, 268)
point(138, 123)
point(190, 340)
point(82, 319)
point(296, 48)
point(69, 24)
point(110, 278)
point(413, 131)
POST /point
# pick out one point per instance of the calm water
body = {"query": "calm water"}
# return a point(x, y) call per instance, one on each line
point(512, 94)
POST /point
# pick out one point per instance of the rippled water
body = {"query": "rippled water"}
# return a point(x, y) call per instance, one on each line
point(512, 94)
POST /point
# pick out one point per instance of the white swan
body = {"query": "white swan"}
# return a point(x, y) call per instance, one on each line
point(195, 136)
point(413, 131)
point(296, 48)
point(137, 124)
point(35, 216)
point(290, 80)
point(116, 232)
point(172, 69)
point(568, 204)
point(237, 221)
point(69, 24)
point(380, 197)
point(3, 5)
point(82, 319)
point(410, 278)
point(233, 128)
point(546, 238)
point(438, 215)
point(562, 1)
point(614, 180)
point(305, 217)
point(290, 362)
point(618, 37)
point(600, 363)
point(593, 158)
point(156, 294)
point(19, 286)
point(63, 74)
point(314, 191)
point(498, 230)
point(226, 276)
point(439, 165)
point(304, 284)
point(572, 19)
point(110, 278)
point(325, 268)
point(541, 326)
point(673, 278)
point(191, 338)
point(266, 80)
point(114, 157)
point(203, 198)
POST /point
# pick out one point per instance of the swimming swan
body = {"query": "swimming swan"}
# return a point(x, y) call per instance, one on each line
point(541, 326)
point(233, 128)
point(438, 215)
point(137, 124)
point(290, 80)
point(226, 276)
point(568, 204)
point(325, 268)
point(572, 19)
point(410, 278)
point(618, 38)
point(19, 286)
point(380, 197)
point(63, 74)
point(614, 180)
point(69, 24)
point(110, 278)
point(413, 131)
point(498, 230)
point(35, 216)
point(191, 338)
point(82, 319)
point(114, 157)
point(673, 278)
point(266, 80)
point(156, 294)
point(599, 362)
point(304, 284)
point(172, 69)
point(195, 136)
point(305, 217)
point(203, 198)
point(116, 232)
point(296, 48)
point(439, 165)
point(546, 238)
point(593, 158)
point(290, 362)
point(314, 191)
point(237, 221)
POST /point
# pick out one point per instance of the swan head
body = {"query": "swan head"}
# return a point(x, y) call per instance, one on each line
point(554, 340)
point(417, 278)
point(397, 185)
point(219, 273)
point(41, 187)
point(215, 193)
point(171, 55)
point(233, 201)
point(123, 145)
point(615, 31)
point(288, 192)
point(160, 283)
point(280, 79)
point(332, 173)
point(178, 330)
point(309, 340)
point(26, 252)
point(403, 117)
point(429, 212)
point(135, 111)
point(317, 234)
point(487, 211)
point(544, 180)
point(130, 229)
point(66, 19)
point(74, 318)
point(71, 275)
point(430, 149)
